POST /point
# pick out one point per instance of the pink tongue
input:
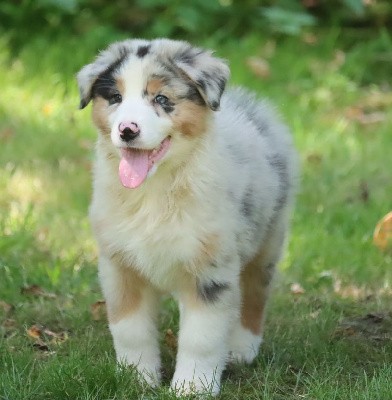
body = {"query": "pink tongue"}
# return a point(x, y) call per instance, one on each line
point(133, 167)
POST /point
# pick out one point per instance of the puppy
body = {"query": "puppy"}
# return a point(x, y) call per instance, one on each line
point(192, 195)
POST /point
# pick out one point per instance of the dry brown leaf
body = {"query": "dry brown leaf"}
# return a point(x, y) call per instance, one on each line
point(34, 332)
point(314, 158)
point(259, 66)
point(296, 289)
point(171, 340)
point(9, 323)
point(372, 118)
point(35, 290)
point(382, 236)
point(44, 337)
point(56, 337)
point(7, 308)
point(357, 113)
point(98, 310)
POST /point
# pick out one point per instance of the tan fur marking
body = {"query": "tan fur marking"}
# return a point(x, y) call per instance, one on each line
point(100, 115)
point(154, 86)
point(190, 119)
point(120, 86)
point(189, 295)
point(128, 297)
point(255, 280)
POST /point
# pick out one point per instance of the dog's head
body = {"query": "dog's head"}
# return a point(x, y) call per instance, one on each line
point(148, 93)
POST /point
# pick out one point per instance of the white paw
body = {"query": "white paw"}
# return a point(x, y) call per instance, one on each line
point(244, 346)
point(149, 372)
point(184, 385)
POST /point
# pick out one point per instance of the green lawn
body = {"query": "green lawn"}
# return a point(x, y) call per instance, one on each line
point(330, 340)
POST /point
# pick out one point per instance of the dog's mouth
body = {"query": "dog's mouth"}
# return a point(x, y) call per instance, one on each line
point(135, 164)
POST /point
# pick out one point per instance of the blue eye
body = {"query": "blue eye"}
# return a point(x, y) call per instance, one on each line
point(115, 98)
point(162, 100)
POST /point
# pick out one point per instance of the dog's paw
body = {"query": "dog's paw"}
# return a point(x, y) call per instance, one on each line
point(244, 346)
point(202, 387)
point(150, 376)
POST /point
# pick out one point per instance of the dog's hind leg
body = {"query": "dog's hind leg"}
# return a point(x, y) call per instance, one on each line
point(255, 282)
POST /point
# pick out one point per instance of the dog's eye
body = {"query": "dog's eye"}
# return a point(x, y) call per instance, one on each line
point(115, 98)
point(162, 100)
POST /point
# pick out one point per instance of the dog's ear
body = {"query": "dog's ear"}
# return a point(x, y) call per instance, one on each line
point(86, 78)
point(209, 73)
point(106, 62)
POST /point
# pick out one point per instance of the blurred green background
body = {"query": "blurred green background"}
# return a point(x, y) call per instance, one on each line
point(22, 20)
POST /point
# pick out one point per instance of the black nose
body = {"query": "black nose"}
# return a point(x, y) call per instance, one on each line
point(128, 131)
point(127, 135)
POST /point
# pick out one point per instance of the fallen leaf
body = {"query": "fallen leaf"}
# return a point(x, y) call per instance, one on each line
point(44, 337)
point(9, 323)
point(372, 118)
point(314, 158)
point(7, 308)
point(171, 340)
point(259, 66)
point(56, 337)
point(34, 332)
point(98, 310)
point(382, 236)
point(296, 289)
point(35, 290)
point(357, 113)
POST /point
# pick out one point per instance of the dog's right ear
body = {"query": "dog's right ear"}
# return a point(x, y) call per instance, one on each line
point(86, 78)
point(106, 62)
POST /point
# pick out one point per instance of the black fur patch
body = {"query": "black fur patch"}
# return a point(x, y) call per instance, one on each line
point(168, 108)
point(194, 96)
point(278, 163)
point(247, 204)
point(105, 85)
point(143, 50)
point(210, 291)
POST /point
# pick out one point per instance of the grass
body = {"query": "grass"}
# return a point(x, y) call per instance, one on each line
point(330, 340)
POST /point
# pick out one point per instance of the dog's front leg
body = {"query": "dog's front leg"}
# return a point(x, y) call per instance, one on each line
point(208, 310)
point(132, 307)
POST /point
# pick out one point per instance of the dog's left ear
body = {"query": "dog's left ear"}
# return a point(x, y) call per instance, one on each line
point(209, 73)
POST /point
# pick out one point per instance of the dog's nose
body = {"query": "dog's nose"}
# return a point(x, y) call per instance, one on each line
point(128, 131)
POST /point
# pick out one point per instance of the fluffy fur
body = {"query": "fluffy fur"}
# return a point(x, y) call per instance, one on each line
point(207, 218)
